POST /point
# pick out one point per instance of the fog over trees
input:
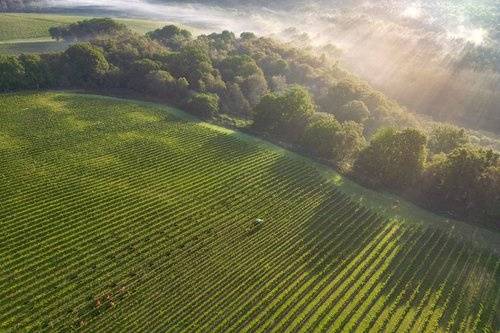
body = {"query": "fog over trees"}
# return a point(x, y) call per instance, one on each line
point(295, 88)
point(317, 107)
point(439, 61)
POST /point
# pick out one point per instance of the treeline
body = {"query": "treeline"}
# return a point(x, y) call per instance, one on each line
point(291, 96)
point(87, 29)
point(440, 170)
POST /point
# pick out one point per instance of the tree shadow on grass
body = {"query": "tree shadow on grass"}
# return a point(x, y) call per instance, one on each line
point(428, 265)
point(228, 148)
point(461, 278)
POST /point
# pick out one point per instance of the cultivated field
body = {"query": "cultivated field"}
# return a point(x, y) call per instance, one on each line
point(22, 26)
point(34, 46)
point(29, 33)
point(122, 216)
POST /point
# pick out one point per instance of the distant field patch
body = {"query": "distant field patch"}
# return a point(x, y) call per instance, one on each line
point(32, 47)
point(19, 26)
point(117, 216)
point(29, 33)
point(30, 26)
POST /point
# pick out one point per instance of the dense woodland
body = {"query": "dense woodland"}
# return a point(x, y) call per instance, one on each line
point(287, 95)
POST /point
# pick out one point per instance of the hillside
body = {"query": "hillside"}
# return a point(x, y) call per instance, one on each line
point(440, 59)
point(125, 216)
point(286, 94)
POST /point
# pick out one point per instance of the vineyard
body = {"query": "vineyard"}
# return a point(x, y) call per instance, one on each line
point(118, 216)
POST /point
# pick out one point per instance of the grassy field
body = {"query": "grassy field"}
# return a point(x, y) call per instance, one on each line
point(29, 33)
point(35, 46)
point(123, 216)
point(27, 26)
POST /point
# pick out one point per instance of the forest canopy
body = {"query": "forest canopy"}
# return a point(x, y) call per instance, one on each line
point(288, 95)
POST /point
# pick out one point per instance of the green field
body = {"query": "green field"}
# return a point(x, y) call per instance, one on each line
point(29, 33)
point(117, 216)
point(22, 26)
point(26, 47)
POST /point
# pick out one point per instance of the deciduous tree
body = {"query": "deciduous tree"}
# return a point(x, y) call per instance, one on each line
point(285, 114)
point(393, 159)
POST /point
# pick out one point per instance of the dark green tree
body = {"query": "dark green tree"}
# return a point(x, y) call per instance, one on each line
point(234, 102)
point(466, 182)
point(339, 95)
point(327, 138)
point(445, 138)
point(238, 66)
point(221, 45)
point(247, 35)
point(349, 143)
point(274, 65)
point(286, 114)
point(171, 36)
point(253, 88)
point(268, 114)
point(12, 75)
point(244, 71)
point(393, 159)
point(353, 111)
point(87, 29)
point(37, 72)
point(193, 62)
point(137, 76)
point(86, 64)
point(204, 105)
point(321, 135)
point(160, 83)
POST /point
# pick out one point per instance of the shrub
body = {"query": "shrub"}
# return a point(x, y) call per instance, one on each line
point(286, 114)
point(321, 135)
point(87, 29)
point(394, 159)
point(87, 64)
point(11, 73)
point(204, 105)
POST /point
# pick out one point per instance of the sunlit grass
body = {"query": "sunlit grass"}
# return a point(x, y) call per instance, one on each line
point(120, 215)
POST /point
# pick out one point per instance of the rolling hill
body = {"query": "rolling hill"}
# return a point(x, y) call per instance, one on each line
point(125, 216)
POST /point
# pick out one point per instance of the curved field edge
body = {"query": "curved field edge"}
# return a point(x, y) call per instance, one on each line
point(389, 205)
point(125, 216)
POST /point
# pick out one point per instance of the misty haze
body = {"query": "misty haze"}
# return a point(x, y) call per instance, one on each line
point(438, 58)
point(249, 166)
